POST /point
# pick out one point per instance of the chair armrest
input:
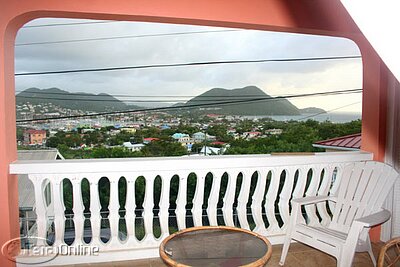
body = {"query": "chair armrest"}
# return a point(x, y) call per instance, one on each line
point(313, 199)
point(375, 218)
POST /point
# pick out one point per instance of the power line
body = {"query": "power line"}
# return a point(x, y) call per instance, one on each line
point(67, 24)
point(168, 108)
point(123, 37)
point(185, 64)
point(221, 98)
point(324, 112)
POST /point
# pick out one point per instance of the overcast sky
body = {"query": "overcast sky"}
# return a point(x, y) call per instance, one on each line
point(282, 78)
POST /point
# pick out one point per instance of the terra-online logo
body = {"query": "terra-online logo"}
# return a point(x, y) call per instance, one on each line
point(38, 251)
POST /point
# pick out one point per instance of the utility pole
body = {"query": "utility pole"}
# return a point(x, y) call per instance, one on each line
point(205, 143)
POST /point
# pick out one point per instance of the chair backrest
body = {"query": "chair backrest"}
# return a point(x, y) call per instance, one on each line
point(363, 188)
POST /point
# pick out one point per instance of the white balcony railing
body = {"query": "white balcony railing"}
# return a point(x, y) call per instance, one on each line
point(251, 192)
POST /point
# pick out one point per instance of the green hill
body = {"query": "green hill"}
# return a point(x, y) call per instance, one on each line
point(312, 110)
point(265, 104)
point(77, 101)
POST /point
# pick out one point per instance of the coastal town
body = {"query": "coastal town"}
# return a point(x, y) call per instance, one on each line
point(157, 133)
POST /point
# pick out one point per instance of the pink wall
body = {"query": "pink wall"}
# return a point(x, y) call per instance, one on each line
point(305, 16)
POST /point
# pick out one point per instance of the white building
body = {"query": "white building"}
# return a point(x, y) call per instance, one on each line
point(201, 137)
point(209, 150)
point(133, 147)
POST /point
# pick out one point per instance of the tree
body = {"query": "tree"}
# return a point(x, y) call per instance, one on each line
point(115, 152)
point(220, 131)
point(53, 141)
point(20, 134)
point(93, 138)
point(163, 148)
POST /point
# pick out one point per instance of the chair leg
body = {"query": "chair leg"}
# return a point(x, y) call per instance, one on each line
point(371, 254)
point(285, 250)
point(345, 261)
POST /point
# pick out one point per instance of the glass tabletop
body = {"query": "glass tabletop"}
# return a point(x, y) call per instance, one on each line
point(217, 246)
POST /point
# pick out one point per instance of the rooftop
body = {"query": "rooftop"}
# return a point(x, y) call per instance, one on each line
point(348, 142)
point(32, 131)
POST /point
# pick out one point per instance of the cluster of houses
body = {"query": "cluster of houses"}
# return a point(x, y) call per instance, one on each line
point(35, 137)
point(211, 145)
point(187, 141)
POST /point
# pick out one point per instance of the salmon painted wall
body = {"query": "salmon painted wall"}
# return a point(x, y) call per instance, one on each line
point(301, 16)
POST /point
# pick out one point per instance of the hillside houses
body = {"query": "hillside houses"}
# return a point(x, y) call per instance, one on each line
point(202, 137)
point(35, 137)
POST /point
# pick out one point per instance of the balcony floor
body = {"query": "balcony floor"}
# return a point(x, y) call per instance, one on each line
point(299, 256)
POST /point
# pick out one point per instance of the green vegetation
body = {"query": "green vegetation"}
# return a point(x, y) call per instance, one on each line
point(296, 136)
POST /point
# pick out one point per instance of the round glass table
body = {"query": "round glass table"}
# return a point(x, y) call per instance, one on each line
point(215, 246)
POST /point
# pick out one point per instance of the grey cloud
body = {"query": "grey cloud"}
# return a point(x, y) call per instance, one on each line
point(237, 45)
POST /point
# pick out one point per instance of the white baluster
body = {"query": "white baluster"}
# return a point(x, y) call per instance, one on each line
point(270, 200)
point(256, 205)
point(213, 198)
point(59, 210)
point(114, 211)
point(95, 207)
point(41, 214)
point(323, 191)
point(180, 211)
point(285, 195)
point(336, 177)
point(300, 186)
point(164, 204)
point(198, 199)
point(78, 209)
point(148, 205)
point(312, 191)
point(130, 207)
point(243, 199)
point(229, 199)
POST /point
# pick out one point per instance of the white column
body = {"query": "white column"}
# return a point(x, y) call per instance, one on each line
point(270, 200)
point(41, 221)
point(130, 207)
point(180, 211)
point(243, 199)
point(148, 205)
point(164, 204)
point(323, 191)
point(229, 198)
point(95, 217)
point(198, 199)
point(114, 211)
point(213, 198)
point(256, 205)
point(312, 191)
point(78, 209)
point(59, 210)
point(285, 196)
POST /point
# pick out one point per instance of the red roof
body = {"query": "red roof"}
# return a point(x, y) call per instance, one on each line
point(218, 143)
point(31, 131)
point(151, 139)
point(352, 142)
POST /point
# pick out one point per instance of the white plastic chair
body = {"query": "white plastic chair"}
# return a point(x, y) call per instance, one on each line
point(363, 187)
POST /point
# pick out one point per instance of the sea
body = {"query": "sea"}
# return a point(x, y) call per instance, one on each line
point(335, 117)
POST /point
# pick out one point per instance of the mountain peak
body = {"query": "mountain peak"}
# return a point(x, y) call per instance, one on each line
point(248, 102)
point(78, 101)
point(246, 91)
